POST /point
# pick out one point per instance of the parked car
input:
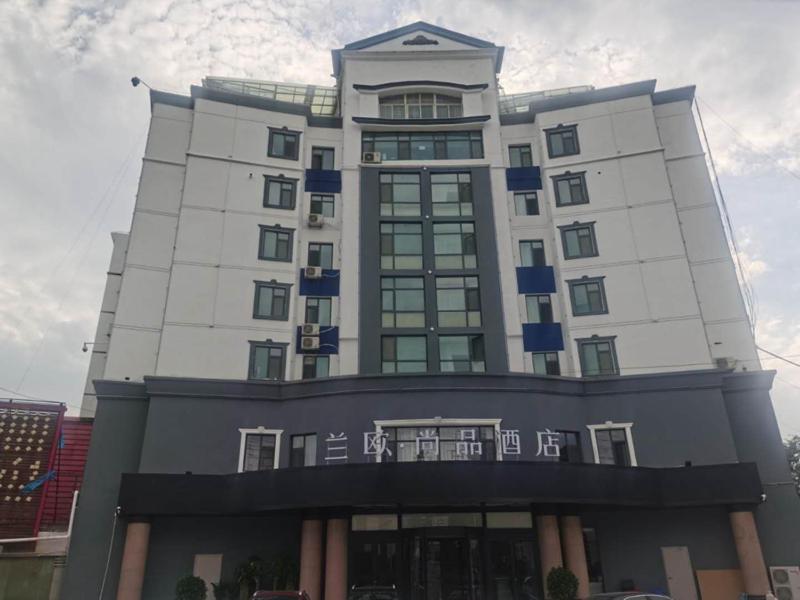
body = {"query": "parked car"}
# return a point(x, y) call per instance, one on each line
point(373, 592)
point(629, 596)
point(284, 595)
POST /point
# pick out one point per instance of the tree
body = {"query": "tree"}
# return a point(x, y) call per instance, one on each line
point(792, 446)
point(190, 588)
point(561, 584)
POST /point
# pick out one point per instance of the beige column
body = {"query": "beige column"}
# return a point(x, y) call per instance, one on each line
point(575, 552)
point(134, 558)
point(549, 544)
point(336, 560)
point(311, 558)
point(748, 548)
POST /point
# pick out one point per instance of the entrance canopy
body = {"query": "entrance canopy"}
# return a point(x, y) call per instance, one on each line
point(450, 484)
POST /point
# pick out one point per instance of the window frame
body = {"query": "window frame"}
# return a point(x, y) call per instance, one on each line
point(315, 358)
point(320, 244)
point(521, 148)
point(521, 254)
point(324, 200)
point(462, 187)
point(280, 179)
point(330, 310)
point(260, 430)
point(394, 289)
point(393, 207)
point(539, 305)
point(577, 434)
point(443, 422)
point(468, 292)
point(471, 337)
point(525, 199)
point(577, 226)
point(612, 425)
point(420, 234)
point(267, 344)
point(395, 337)
point(462, 237)
point(304, 437)
point(551, 131)
point(324, 150)
point(545, 354)
point(581, 342)
point(283, 131)
point(378, 141)
point(573, 283)
point(263, 229)
point(274, 285)
point(581, 176)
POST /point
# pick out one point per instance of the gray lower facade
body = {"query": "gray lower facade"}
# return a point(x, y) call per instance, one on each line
point(654, 462)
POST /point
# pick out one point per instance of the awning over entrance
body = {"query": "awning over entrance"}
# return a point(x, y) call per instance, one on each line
point(450, 484)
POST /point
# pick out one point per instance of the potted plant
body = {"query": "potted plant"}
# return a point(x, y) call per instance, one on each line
point(190, 588)
point(561, 584)
point(249, 575)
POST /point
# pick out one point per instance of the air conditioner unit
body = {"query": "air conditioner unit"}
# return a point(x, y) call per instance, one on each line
point(313, 272)
point(786, 582)
point(310, 342)
point(372, 157)
point(725, 362)
point(315, 220)
point(310, 329)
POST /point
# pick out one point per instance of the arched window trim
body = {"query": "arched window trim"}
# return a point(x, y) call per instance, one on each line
point(420, 105)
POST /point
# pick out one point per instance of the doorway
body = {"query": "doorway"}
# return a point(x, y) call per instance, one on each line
point(445, 565)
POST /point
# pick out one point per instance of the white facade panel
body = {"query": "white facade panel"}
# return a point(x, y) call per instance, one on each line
point(192, 292)
point(160, 187)
point(206, 183)
point(152, 240)
point(142, 298)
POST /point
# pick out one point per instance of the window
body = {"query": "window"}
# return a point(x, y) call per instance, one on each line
point(420, 106)
point(588, 297)
point(458, 302)
point(540, 310)
point(260, 452)
point(612, 444)
point(454, 246)
point(401, 246)
point(526, 203)
point(578, 240)
point(531, 253)
point(318, 310)
point(400, 194)
point(320, 255)
point(304, 450)
point(562, 141)
point(455, 145)
point(520, 156)
point(322, 204)
point(267, 360)
point(283, 143)
point(275, 243)
point(569, 445)
point(279, 192)
point(315, 366)
point(451, 194)
point(271, 302)
point(598, 356)
point(322, 158)
point(402, 302)
point(461, 353)
point(570, 189)
point(458, 442)
point(404, 354)
point(546, 363)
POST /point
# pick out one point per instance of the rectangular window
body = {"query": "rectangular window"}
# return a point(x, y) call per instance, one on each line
point(304, 450)
point(322, 204)
point(400, 194)
point(283, 144)
point(275, 243)
point(520, 155)
point(259, 452)
point(458, 302)
point(454, 246)
point(451, 194)
point(456, 442)
point(598, 357)
point(322, 158)
point(578, 240)
point(318, 310)
point(267, 360)
point(562, 141)
point(461, 353)
point(279, 192)
point(404, 354)
point(526, 203)
point(540, 310)
point(402, 302)
point(320, 255)
point(546, 363)
point(401, 246)
point(531, 253)
point(315, 366)
point(456, 145)
point(588, 297)
point(570, 189)
point(612, 447)
point(271, 302)
point(569, 444)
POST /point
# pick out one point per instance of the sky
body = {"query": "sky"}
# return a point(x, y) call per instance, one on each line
point(73, 129)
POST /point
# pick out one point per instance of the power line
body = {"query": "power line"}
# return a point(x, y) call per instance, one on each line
point(779, 357)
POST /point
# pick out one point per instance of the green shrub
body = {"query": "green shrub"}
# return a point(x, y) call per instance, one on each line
point(561, 584)
point(190, 588)
point(226, 590)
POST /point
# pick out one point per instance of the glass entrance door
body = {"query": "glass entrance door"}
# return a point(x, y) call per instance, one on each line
point(445, 567)
point(512, 571)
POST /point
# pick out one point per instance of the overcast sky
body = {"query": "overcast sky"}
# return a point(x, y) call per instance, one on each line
point(73, 129)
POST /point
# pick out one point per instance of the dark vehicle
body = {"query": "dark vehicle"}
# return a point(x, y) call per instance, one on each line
point(286, 595)
point(373, 592)
point(629, 596)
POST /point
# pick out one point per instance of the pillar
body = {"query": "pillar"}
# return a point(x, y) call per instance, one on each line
point(311, 558)
point(549, 545)
point(336, 560)
point(748, 548)
point(575, 552)
point(134, 558)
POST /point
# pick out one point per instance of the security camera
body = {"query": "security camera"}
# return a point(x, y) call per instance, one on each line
point(85, 347)
point(135, 81)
